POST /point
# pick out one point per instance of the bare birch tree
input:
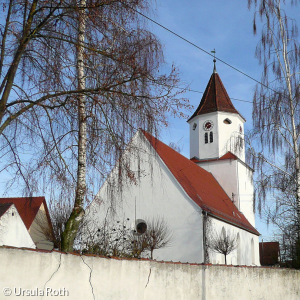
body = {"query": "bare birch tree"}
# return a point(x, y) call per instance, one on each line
point(77, 80)
point(276, 112)
point(72, 225)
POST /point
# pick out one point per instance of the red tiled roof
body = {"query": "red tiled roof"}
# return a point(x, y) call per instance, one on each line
point(28, 207)
point(228, 155)
point(215, 98)
point(200, 186)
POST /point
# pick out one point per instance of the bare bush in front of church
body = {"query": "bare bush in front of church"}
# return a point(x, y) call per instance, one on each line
point(158, 235)
point(223, 242)
point(121, 239)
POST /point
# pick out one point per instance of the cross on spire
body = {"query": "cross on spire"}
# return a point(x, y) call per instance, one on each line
point(214, 52)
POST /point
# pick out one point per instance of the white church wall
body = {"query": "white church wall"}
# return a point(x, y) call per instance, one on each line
point(244, 254)
point(225, 171)
point(224, 136)
point(228, 134)
point(13, 231)
point(245, 191)
point(157, 194)
point(198, 147)
point(195, 137)
point(236, 180)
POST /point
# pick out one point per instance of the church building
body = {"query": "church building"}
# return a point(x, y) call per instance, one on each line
point(208, 195)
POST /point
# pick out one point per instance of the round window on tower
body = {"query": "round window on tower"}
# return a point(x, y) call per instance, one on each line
point(227, 121)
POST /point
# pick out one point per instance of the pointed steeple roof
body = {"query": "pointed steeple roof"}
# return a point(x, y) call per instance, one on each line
point(215, 98)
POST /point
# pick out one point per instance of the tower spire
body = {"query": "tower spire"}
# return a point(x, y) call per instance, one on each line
point(215, 97)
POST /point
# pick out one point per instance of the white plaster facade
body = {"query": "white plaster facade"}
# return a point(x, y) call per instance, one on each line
point(40, 230)
point(246, 253)
point(225, 136)
point(236, 178)
point(158, 194)
point(13, 232)
point(34, 213)
point(216, 130)
point(95, 278)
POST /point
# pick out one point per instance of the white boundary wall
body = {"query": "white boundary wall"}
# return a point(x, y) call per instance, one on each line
point(75, 277)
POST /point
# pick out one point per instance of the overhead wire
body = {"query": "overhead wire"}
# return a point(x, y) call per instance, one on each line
point(194, 91)
point(191, 43)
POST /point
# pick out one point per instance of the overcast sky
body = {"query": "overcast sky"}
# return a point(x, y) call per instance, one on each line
point(222, 25)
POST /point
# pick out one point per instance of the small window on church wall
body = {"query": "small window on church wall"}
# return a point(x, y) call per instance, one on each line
point(206, 138)
point(140, 227)
point(227, 121)
point(223, 232)
point(211, 137)
point(252, 252)
point(194, 126)
point(238, 249)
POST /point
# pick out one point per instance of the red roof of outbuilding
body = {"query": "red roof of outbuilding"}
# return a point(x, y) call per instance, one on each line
point(215, 98)
point(200, 185)
point(269, 253)
point(27, 208)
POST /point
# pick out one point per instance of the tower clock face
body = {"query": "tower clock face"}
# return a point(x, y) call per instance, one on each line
point(208, 125)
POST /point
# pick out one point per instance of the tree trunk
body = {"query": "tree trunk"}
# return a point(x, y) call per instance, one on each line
point(77, 214)
point(293, 123)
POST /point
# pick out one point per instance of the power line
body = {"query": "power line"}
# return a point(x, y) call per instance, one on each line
point(194, 91)
point(181, 37)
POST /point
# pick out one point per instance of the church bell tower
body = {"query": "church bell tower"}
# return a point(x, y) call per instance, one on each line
point(217, 144)
point(216, 127)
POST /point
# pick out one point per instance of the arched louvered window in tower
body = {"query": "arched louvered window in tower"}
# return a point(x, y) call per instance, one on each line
point(211, 137)
point(241, 142)
point(206, 137)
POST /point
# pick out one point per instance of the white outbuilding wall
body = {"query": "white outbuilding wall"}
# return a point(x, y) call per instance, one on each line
point(40, 230)
point(13, 232)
